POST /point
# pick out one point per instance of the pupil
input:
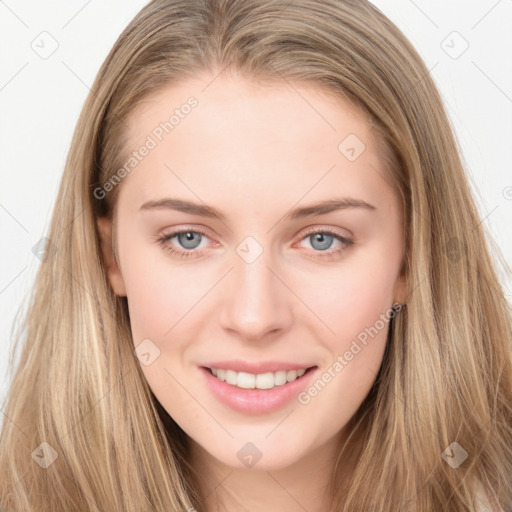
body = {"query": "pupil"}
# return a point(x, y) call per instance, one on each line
point(322, 238)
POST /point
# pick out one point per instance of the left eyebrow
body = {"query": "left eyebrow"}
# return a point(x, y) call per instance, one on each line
point(203, 210)
point(328, 206)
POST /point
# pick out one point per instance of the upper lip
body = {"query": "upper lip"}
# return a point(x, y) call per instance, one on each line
point(257, 367)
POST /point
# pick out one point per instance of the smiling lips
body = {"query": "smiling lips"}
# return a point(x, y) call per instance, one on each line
point(251, 375)
point(260, 392)
point(266, 380)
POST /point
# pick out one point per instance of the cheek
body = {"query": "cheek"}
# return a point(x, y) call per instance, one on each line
point(356, 307)
point(159, 293)
point(347, 297)
point(161, 300)
point(352, 297)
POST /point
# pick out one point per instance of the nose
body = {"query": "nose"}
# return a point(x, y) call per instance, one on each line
point(257, 302)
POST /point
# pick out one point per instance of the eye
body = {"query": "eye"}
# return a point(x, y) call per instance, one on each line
point(190, 239)
point(322, 240)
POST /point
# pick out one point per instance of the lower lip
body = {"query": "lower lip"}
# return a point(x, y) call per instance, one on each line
point(257, 401)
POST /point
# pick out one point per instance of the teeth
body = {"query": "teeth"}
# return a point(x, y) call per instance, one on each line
point(260, 381)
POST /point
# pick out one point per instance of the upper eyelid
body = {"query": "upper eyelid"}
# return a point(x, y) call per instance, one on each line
point(324, 229)
point(305, 232)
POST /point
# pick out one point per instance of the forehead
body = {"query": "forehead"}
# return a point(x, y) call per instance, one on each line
point(263, 110)
point(246, 138)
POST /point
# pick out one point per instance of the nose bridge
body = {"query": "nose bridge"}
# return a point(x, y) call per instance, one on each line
point(258, 301)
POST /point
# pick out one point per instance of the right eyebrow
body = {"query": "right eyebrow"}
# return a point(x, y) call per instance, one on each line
point(185, 207)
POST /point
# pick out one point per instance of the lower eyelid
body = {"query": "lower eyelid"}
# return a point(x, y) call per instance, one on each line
point(345, 242)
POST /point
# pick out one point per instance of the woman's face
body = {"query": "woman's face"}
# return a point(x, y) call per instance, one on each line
point(268, 280)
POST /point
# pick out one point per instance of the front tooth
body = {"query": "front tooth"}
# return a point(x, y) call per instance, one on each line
point(231, 377)
point(291, 375)
point(280, 377)
point(260, 381)
point(246, 380)
point(265, 380)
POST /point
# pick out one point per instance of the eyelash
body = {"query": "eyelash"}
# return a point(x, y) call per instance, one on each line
point(163, 241)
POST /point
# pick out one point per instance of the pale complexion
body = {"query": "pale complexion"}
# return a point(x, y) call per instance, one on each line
point(256, 153)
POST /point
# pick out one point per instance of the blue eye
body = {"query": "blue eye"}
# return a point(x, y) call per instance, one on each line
point(190, 239)
point(323, 239)
point(185, 237)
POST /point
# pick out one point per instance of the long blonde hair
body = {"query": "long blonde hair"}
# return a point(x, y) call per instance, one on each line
point(446, 376)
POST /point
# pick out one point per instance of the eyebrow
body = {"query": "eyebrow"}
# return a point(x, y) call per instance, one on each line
point(203, 210)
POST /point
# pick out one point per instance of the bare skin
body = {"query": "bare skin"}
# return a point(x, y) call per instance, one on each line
point(256, 153)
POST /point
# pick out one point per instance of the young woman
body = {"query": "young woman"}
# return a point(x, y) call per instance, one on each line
point(267, 286)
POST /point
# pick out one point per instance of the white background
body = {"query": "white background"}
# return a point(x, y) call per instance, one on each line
point(40, 100)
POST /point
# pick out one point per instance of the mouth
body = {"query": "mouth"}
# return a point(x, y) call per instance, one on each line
point(257, 394)
point(260, 381)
